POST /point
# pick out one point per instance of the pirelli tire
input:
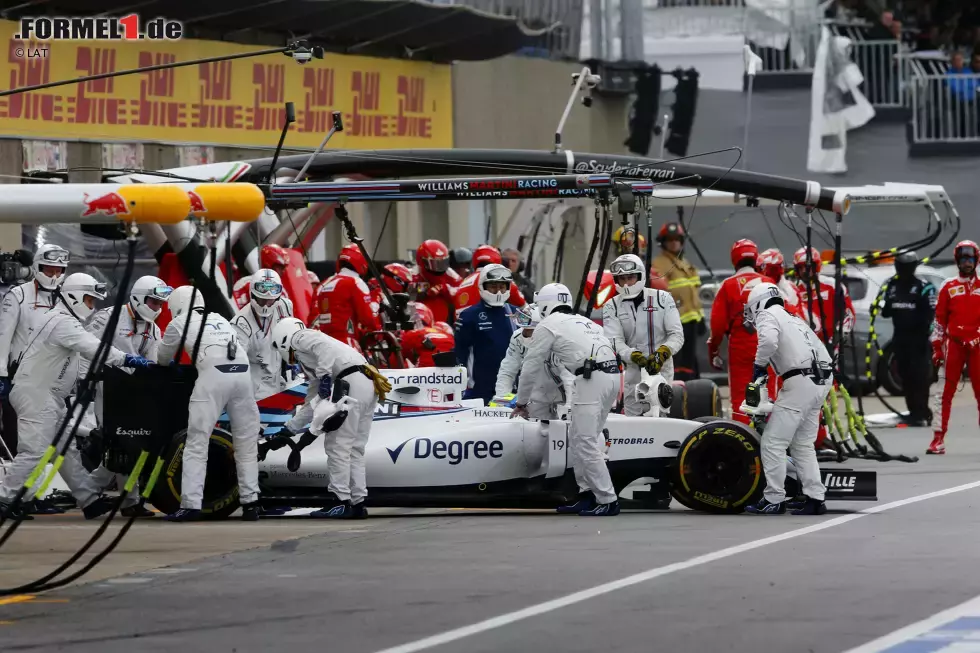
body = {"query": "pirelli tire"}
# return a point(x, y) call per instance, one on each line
point(703, 399)
point(220, 485)
point(718, 468)
point(678, 404)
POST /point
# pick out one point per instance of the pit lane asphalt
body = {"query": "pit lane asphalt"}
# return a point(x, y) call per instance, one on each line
point(398, 578)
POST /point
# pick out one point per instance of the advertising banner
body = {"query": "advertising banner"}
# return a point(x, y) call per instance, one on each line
point(386, 103)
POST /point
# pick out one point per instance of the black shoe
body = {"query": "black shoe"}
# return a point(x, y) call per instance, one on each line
point(17, 513)
point(359, 511)
point(764, 507)
point(137, 511)
point(601, 510)
point(184, 514)
point(342, 510)
point(811, 507)
point(251, 511)
point(796, 502)
point(917, 422)
point(42, 507)
point(584, 501)
point(99, 507)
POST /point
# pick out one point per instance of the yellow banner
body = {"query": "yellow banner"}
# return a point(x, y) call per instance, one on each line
point(386, 103)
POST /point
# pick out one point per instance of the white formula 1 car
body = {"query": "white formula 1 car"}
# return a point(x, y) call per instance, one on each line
point(429, 448)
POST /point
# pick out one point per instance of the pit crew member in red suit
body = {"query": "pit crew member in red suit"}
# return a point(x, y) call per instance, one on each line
point(346, 311)
point(419, 345)
point(822, 321)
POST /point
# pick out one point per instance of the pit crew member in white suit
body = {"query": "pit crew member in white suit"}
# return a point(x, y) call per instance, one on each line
point(580, 347)
point(266, 307)
point(136, 333)
point(44, 379)
point(223, 385)
point(550, 400)
point(644, 326)
point(799, 357)
point(337, 373)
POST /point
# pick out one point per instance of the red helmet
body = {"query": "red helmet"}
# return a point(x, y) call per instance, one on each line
point(961, 248)
point(799, 258)
point(671, 230)
point(485, 255)
point(607, 288)
point(771, 263)
point(659, 282)
point(424, 314)
point(351, 255)
point(744, 249)
point(396, 277)
point(312, 278)
point(433, 257)
point(445, 328)
point(273, 256)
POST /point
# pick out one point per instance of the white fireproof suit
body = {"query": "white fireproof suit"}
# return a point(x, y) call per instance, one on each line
point(24, 309)
point(265, 363)
point(556, 385)
point(46, 376)
point(572, 339)
point(319, 355)
point(787, 343)
point(643, 324)
point(134, 335)
point(223, 384)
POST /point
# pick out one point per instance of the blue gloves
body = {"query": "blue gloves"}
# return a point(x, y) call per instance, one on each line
point(5, 386)
point(134, 360)
point(758, 372)
point(326, 386)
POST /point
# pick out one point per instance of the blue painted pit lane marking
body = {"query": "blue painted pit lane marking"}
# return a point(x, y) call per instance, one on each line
point(956, 630)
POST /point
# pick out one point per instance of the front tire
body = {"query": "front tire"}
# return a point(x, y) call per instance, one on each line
point(678, 405)
point(703, 399)
point(718, 469)
point(221, 496)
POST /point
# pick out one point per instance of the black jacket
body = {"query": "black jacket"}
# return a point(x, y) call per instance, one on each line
point(911, 304)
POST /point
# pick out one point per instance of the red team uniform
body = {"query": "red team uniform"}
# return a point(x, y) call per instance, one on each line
point(346, 311)
point(421, 344)
point(434, 282)
point(823, 299)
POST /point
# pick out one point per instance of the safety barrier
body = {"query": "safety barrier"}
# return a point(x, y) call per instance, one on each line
point(885, 70)
point(945, 113)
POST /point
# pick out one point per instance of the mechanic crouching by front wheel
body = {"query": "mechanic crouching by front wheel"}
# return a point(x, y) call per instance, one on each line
point(644, 327)
point(581, 348)
point(795, 352)
point(340, 378)
point(223, 385)
point(45, 377)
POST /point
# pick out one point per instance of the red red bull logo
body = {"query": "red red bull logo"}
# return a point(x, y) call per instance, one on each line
point(197, 204)
point(108, 204)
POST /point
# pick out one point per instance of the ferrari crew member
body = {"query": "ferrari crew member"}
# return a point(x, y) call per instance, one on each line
point(433, 282)
point(223, 385)
point(397, 278)
point(271, 257)
point(136, 333)
point(822, 320)
point(956, 334)
point(556, 385)
point(468, 292)
point(483, 332)
point(44, 379)
point(726, 320)
point(581, 348)
point(346, 311)
point(772, 265)
point(644, 327)
point(911, 304)
point(421, 344)
point(267, 305)
point(803, 363)
point(337, 373)
point(683, 282)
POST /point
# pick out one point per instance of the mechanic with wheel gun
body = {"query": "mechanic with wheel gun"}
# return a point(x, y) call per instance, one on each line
point(266, 307)
point(795, 352)
point(956, 334)
point(136, 333)
point(644, 327)
point(552, 397)
point(340, 402)
point(45, 377)
point(581, 348)
point(911, 304)
point(223, 385)
point(483, 332)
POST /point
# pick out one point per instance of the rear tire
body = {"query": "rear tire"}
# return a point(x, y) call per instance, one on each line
point(718, 469)
point(220, 485)
point(678, 405)
point(703, 399)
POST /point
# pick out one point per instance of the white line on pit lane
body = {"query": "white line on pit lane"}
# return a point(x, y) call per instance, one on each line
point(656, 572)
point(955, 629)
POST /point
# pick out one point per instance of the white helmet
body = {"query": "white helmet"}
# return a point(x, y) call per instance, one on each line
point(75, 288)
point(180, 300)
point(495, 272)
point(528, 316)
point(148, 287)
point(265, 284)
point(625, 265)
point(283, 332)
point(551, 297)
point(54, 256)
point(758, 299)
